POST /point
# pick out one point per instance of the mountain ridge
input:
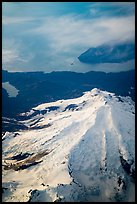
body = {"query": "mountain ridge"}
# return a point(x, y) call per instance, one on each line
point(80, 150)
point(109, 54)
point(60, 85)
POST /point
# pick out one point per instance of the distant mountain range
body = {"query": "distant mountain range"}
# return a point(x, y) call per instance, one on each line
point(109, 54)
point(39, 87)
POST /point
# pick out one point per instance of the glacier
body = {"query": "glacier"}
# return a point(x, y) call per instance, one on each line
point(74, 150)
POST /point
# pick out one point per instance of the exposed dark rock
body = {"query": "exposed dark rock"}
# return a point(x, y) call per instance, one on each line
point(25, 166)
point(16, 134)
point(71, 107)
point(43, 184)
point(119, 99)
point(41, 126)
point(3, 189)
point(58, 200)
point(36, 121)
point(119, 181)
point(21, 156)
point(12, 125)
point(127, 167)
point(17, 167)
point(34, 193)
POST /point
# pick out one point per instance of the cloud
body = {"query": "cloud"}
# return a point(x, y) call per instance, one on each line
point(48, 40)
point(9, 56)
point(12, 53)
point(8, 20)
point(107, 9)
point(68, 32)
point(105, 67)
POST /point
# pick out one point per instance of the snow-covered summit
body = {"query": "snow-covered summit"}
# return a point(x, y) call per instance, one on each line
point(80, 149)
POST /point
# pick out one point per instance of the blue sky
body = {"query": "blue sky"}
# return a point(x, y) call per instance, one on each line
point(49, 36)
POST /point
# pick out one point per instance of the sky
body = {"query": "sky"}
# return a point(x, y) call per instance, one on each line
point(50, 36)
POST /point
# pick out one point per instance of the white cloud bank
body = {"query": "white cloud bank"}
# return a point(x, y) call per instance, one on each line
point(8, 20)
point(66, 33)
point(63, 39)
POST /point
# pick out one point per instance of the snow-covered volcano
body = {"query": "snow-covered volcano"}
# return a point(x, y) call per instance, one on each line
point(80, 150)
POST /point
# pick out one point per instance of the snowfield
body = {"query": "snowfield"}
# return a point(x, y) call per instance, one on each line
point(77, 150)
